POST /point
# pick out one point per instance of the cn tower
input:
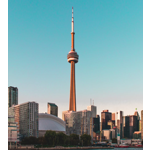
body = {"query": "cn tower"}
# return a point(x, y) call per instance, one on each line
point(72, 58)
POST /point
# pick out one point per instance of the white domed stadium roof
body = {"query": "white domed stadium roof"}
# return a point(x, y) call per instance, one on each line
point(51, 122)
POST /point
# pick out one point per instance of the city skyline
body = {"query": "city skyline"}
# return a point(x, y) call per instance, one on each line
point(111, 57)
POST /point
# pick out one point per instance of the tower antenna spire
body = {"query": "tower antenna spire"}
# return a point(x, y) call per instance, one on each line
point(72, 21)
point(72, 12)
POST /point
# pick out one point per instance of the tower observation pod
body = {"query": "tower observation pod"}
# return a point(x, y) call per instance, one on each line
point(72, 59)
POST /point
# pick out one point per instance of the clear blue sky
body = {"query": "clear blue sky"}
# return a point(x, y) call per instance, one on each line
point(108, 40)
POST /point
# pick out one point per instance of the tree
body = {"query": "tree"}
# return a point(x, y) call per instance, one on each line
point(41, 141)
point(74, 139)
point(61, 138)
point(29, 140)
point(50, 137)
point(86, 139)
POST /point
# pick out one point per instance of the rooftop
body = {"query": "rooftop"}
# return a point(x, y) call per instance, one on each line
point(52, 104)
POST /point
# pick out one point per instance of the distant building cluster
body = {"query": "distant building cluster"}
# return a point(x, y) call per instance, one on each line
point(24, 120)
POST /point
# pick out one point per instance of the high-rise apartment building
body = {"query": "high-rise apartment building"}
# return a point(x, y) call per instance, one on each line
point(93, 109)
point(80, 122)
point(12, 96)
point(141, 124)
point(105, 117)
point(52, 109)
point(26, 115)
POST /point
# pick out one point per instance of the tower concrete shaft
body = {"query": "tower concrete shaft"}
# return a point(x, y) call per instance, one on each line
point(72, 58)
point(72, 105)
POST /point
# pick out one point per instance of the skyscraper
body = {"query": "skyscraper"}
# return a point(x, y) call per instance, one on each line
point(93, 109)
point(138, 118)
point(26, 115)
point(96, 127)
point(80, 122)
point(52, 109)
point(105, 117)
point(130, 125)
point(119, 121)
point(72, 58)
point(133, 126)
point(12, 96)
point(126, 127)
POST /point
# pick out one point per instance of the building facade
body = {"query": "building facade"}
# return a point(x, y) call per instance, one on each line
point(26, 115)
point(93, 109)
point(112, 134)
point(119, 123)
point(52, 109)
point(137, 135)
point(113, 116)
point(126, 126)
point(96, 128)
point(12, 96)
point(141, 124)
point(13, 134)
point(133, 126)
point(14, 112)
point(130, 125)
point(138, 119)
point(79, 123)
point(63, 114)
point(105, 117)
point(111, 124)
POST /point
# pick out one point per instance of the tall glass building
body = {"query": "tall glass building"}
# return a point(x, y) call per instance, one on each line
point(26, 115)
point(52, 109)
point(12, 96)
point(105, 117)
point(119, 123)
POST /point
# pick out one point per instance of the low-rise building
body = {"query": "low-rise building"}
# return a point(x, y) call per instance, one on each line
point(13, 132)
point(106, 134)
point(137, 135)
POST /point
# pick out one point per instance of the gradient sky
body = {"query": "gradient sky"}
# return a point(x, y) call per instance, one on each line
point(108, 40)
